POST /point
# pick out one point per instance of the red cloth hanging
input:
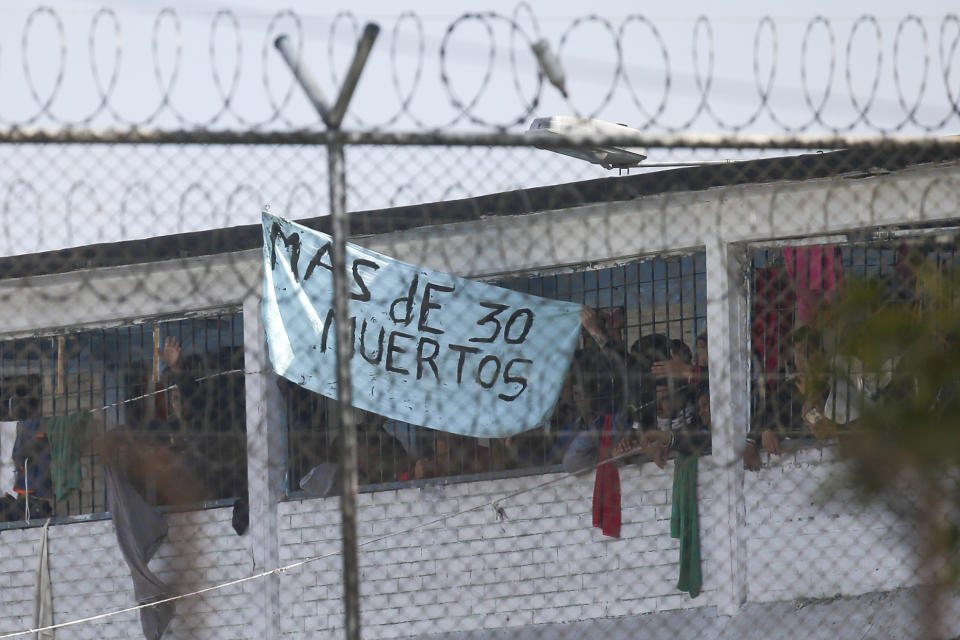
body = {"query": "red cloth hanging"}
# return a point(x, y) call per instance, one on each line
point(606, 488)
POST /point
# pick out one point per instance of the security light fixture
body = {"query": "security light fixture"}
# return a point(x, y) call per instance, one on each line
point(608, 157)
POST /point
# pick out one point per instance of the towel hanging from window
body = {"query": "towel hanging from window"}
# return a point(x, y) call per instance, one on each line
point(43, 595)
point(606, 488)
point(685, 523)
point(68, 441)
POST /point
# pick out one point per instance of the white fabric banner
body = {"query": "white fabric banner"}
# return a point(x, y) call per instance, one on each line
point(429, 348)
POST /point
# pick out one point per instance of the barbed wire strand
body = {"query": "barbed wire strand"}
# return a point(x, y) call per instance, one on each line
point(173, 386)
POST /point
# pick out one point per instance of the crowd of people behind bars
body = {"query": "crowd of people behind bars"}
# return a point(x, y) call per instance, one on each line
point(651, 399)
point(185, 444)
point(809, 382)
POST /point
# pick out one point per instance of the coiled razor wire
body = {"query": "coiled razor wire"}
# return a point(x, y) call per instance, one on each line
point(249, 89)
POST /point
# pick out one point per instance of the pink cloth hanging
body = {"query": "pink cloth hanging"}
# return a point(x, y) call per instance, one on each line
point(817, 275)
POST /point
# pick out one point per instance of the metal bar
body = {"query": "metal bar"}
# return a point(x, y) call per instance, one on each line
point(305, 78)
point(340, 224)
point(692, 163)
point(364, 45)
point(344, 412)
point(19, 135)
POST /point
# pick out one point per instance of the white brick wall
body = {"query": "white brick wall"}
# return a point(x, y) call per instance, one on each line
point(545, 563)
point(804, 540)
point(89, 577)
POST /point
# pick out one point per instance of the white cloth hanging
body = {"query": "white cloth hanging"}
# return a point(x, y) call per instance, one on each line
point(43, 596)
point(8, 436)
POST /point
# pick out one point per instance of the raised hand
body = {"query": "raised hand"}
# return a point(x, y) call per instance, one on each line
point(170, 354)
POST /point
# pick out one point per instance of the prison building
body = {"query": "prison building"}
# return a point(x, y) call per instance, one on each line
point(500, 543)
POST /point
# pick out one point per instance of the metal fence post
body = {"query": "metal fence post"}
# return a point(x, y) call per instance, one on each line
point(348, 428)
point(341, 229)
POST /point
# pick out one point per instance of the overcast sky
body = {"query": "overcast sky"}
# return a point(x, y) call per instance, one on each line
point(81, 195)
point(588, 55)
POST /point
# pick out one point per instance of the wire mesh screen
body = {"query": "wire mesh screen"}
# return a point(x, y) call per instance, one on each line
point(592, 392)
point(722, 444)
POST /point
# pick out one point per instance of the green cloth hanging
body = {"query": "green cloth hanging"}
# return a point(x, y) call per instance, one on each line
point(685, 525)
point(68, 436)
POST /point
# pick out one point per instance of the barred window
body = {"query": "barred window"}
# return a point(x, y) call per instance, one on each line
point(646, 301)
point(80, 397)
point(793, 286)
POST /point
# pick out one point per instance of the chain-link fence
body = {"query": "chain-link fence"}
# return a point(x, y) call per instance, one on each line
point(716, 400)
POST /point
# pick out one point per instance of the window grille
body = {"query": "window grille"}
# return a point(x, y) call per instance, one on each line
point(780, 325)
point(112, 375)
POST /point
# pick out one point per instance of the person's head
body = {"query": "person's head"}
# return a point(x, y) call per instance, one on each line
point(680, 350)
point(702, 349)
point(613, 324)
point(193, 364)
point(186, 399)
point(382, 456)
point(649, 349)
point(703, 408)
point(581, 401)
point(368, 420)
point(442, 446)
point(24, 405)
point(807, 342)
point(670, 400)
point(663, 400)
point(565, 410)
point(597, 388)
point(452, 453)
point(799, 349)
